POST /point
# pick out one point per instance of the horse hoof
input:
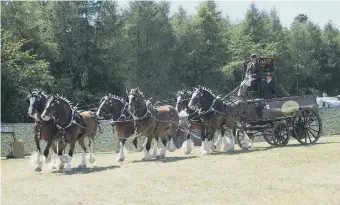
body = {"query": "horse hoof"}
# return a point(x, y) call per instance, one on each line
point(64, 159)
point(146, 159)
point(61, 166)
point(120, 159)
point(54, 167)
point(38, 169)
point(82, 166)
point(139, 149)
point(92, 159)
point(215, 147)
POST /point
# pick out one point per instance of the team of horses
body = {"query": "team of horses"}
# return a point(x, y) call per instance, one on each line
point(60, 123)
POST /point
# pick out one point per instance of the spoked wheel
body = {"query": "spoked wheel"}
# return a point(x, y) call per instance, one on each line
point(307, 126)
point(240, 138)
point(280, 134)
point(268, 136)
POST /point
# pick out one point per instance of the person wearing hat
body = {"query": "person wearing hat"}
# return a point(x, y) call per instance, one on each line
point(252, 70)
point(269, 90)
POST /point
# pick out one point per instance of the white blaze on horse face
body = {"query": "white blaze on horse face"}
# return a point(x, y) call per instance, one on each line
point(178, 100)
point(30, 109)
point(130, 107)
point(100, 107)
point(191, 102)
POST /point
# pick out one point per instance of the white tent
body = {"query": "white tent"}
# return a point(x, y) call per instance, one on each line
point(328, 101)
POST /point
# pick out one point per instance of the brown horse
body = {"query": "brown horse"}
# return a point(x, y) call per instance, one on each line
point(152, 122)
point(196, 124)
point(44, 128)
point(217, 116)
point(115, 108)
point(73, 127)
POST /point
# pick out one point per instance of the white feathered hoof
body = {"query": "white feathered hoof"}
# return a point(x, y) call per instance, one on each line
point(48, 159)
point(92, 159)
point(187, 146)
point(68, 168)
point(64, 159)
point(146, 158)
point(120, 159)
point(81, 166)
point(61, 166)
point(171, 146)
point(54, 166)
point(245, 146)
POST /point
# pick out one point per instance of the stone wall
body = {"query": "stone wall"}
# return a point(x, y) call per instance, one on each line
point(108, 142)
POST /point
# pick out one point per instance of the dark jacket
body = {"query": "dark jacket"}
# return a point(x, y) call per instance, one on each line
point(269, 90)
point(254, 68)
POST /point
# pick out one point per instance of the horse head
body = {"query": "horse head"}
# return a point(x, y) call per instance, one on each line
point(37, 100)
point(110, 106)
point(183, 97)
point(59, 108)
point(202, 98)
point(137, 103)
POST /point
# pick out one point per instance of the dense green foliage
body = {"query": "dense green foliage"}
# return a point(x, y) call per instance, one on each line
point(84, 50)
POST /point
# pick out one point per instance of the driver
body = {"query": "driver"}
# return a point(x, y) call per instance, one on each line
point(250, 77)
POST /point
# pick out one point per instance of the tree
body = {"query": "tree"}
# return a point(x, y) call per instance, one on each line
point(20, 72)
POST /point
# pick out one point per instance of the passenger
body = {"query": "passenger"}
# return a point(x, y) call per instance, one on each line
point(252, 71)
point(269, 89)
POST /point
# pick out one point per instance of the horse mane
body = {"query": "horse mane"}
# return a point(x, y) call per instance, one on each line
point(207, 90)
point(65, 100)
point(115, 97)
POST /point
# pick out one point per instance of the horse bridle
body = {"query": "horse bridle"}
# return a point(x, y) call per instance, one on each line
point(122, 110)
point(56, 119)
point(147, 111)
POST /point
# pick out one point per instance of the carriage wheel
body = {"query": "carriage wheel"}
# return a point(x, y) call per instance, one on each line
point(268, 136)
point(240, 138)
point(280, 134)
point(307, 126)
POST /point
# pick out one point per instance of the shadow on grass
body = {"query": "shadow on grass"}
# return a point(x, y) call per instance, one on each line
point(87, 170)
point(256, 149)
point(242, 151)
point(309, 145)
point(166, 160)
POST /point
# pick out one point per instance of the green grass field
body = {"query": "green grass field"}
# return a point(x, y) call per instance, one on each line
point(290, 175)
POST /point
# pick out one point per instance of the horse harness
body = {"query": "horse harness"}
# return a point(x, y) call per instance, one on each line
point(76, 119)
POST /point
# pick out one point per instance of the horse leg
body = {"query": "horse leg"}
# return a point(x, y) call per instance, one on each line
point(147, 149)
point(36, 157)
point(54, 148)
point(121, 155)
point(171, 145)
point(219, 137)
point(70, 154)
point(163, 149)
point(81, 142)
point(60, 149)
point(224, 144)
point(188, 145)
point(155, 147)
point(91, 155)
point(232, 140)
point(204, 142)
point(135, 143)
